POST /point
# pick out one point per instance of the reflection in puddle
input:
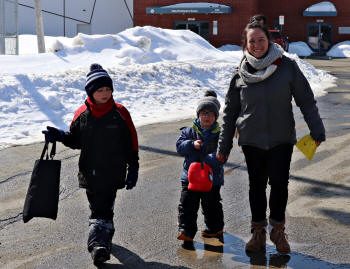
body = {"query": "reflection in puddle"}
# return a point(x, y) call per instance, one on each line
point(263, 260)
point(229, 252)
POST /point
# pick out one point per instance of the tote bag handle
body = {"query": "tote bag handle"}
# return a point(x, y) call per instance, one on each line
point(46, 150)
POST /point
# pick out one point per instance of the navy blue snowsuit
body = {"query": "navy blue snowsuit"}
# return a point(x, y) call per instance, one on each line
point(190, 200)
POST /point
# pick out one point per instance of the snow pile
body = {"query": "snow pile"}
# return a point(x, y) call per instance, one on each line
point(340, 50)
point(300, 48)
point(158, 74)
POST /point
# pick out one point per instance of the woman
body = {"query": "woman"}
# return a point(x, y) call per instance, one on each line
point(259, 105)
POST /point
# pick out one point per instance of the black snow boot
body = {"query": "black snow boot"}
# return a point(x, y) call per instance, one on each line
point(100, 239)
point(100, 255)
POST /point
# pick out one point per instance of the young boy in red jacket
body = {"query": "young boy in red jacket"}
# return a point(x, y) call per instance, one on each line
point(104, 132)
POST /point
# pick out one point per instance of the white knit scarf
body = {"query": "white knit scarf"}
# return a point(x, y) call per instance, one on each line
point(264, 66)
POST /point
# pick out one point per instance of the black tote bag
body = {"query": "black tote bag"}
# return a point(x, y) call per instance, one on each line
point(43, 191)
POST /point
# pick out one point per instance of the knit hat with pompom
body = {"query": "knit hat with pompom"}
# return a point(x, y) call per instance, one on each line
point(97, 78)
point(209, 102)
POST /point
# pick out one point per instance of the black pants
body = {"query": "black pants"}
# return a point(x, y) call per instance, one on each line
point(211, 208)
point(270, 166)
point(101, 203)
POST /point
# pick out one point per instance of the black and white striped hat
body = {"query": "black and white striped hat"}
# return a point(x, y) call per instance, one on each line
point(97, 78)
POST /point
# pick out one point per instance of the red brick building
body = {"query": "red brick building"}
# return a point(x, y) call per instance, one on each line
point(318, 23)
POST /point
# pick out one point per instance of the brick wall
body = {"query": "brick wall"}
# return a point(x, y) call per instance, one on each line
point(296, 24)
point(231, 25)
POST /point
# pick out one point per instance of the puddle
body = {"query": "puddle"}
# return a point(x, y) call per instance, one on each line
point(229, 253)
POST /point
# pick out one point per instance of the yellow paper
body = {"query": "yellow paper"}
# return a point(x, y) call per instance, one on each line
point(307, 146)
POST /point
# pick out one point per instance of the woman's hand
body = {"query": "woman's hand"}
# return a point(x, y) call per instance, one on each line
point(221, 157)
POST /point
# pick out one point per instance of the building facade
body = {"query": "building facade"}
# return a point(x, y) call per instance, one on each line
point(318, 23)
point(69, 17)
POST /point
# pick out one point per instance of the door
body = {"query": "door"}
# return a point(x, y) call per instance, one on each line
point(198, 27)
point(194, 27)
point(325, 37)
point(320, 37)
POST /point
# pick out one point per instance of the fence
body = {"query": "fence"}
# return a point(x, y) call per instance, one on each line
point(8, 26)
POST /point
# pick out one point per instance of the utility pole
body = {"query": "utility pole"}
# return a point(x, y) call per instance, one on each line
point(39, 26)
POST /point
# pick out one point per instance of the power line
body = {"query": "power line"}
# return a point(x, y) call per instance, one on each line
point(127, 7)
point(59, 15)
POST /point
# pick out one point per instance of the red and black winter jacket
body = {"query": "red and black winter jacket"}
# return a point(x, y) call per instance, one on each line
point(108, 142)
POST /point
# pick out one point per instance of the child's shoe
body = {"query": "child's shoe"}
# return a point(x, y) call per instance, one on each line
point(188, 245)
point(182, 236)
point(211, 234)
point(100, 255)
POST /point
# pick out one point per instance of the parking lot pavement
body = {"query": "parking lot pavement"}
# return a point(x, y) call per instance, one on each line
point(318, 213)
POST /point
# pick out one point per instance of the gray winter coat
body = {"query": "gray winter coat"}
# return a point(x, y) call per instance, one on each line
point(262, 112)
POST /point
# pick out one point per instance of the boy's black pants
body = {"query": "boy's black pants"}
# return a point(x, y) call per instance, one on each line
point(211, 208)
point(270, 166)
point(101, 203)
point(101, 228)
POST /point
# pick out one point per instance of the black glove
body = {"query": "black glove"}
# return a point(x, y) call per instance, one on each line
point(53, 134)
point(131, 178)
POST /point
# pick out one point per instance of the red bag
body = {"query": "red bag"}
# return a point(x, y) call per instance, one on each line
point(200, 177)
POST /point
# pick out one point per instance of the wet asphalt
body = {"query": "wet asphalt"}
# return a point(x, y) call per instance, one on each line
point(318, 212)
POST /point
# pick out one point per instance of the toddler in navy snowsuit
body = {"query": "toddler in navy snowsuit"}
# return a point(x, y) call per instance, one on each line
point(199, 143)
